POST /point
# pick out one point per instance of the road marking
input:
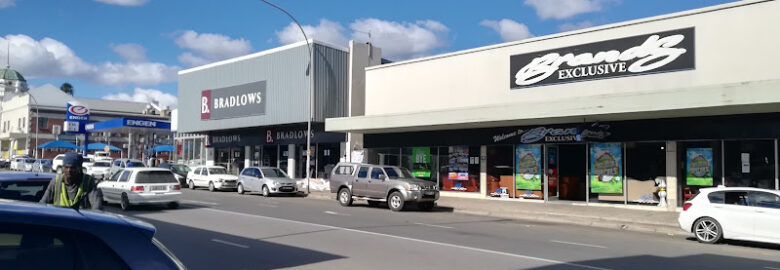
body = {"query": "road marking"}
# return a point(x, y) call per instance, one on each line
point(772, 268)
point(431, 225)
point(412, 239)
point(335, 213)
point(200, 202)
point(580, 244)
point(267, 205)
point(229, 243)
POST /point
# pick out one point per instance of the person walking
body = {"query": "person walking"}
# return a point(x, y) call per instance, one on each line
point(72, 186)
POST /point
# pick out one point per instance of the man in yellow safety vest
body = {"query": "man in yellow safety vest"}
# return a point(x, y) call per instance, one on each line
point(73, 188)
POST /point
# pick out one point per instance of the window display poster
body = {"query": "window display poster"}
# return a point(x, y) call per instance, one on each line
point(606, 168)
point(698, 167)
point(459, 163)
point(528, 167)
point(421, 162)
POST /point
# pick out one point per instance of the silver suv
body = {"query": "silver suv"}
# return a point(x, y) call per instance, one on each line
point(380, 183)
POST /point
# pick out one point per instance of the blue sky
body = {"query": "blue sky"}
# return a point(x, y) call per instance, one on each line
point(132, 49)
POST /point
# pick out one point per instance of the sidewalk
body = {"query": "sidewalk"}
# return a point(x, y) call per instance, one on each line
point(647, 221)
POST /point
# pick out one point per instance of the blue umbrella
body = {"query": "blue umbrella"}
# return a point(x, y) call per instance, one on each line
point(58, 144)
point(102, 146)
point(163, 148)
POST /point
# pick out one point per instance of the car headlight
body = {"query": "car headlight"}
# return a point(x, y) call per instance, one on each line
point(411, 187)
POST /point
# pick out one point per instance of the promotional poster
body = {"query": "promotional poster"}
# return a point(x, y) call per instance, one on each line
point(606, 168)
point(528, 167)
point(421, 162)
point(698, 167)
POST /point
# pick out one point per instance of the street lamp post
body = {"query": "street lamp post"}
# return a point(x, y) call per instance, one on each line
point(309, 70)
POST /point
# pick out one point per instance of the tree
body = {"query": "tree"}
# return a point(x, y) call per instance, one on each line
point(67, 88)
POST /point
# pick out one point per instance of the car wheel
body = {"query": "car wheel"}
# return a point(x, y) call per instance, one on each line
point(192, 185)
point(173, 205)
point(240, 189)
point(707, 230)
point(373, 203)
point(211, 186)
point(395, 201)
point(266, 192)
point(124, 203)
point(426, 206)
point(345, 197)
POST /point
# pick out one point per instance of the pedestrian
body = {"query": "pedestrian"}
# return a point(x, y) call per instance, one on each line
point(72, 186)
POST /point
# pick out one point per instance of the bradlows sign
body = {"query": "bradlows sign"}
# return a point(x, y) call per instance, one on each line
point(235, 101)
point(637, 55)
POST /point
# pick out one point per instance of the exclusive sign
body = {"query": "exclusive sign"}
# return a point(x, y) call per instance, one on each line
point(235, 101)
point(638, 55)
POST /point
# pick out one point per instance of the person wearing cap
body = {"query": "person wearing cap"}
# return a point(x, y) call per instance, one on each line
point(72, 186)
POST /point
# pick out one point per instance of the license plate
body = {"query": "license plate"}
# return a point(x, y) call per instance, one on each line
point(159, 188)
point(286, 188)
point(429, 193)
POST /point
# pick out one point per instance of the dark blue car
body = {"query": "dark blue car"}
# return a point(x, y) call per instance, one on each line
point(35, 236)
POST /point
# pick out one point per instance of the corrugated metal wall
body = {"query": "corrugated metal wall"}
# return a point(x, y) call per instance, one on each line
point(287, 88)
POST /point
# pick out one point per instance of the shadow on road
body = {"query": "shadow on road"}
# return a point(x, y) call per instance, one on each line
point(742, 244)
point(702, 261)
point(203, 249)
point(407, 208)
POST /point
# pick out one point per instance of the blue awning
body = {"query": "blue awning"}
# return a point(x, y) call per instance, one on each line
point(58, 144)
point(102, 146)
point(163, 148)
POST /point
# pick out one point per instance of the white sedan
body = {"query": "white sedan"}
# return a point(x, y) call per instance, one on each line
point(750, 214)
point(134, 186)
point(213, 177)
point(99, 169)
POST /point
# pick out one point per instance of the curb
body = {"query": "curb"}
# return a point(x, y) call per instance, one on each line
point(558, 218)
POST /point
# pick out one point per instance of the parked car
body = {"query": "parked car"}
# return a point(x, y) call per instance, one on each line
point(213, 177)
point(268, 180)
point(379, 183)
point(24, 186)
point(36, 236)
point(134, 186)
point(122, 163)
point(750, 214)
point(17, 163)
point(178, 170)
point(99, 169)
point(5, 163)
point(42, 165)
point(56, 163)
point(27, 166)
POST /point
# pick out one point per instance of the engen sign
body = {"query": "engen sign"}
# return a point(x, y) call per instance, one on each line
point(638, 55)
point(235, 101)
point(76, 117)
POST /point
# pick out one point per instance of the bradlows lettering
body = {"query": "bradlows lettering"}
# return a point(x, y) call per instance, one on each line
point(291, 135)
point(226, 139)
point(637, 55)
point(235, 101)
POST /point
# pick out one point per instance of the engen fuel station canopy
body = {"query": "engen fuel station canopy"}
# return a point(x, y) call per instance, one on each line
point(130, 125)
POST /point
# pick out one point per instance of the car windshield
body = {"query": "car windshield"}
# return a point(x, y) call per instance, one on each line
point(182, 168)
point(29, 161)
point(135, 164)
point(155, 177)
point(101, 164)
point(217, 171)
point(273, 173)
point(395, 173)
point(23, 190)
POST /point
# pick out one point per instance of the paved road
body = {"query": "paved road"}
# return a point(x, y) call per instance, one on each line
point(224, 230)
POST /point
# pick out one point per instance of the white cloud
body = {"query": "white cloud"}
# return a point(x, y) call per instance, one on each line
point(6, 3)
point(127, 3)
point(508, 29)
point(50, 58)
point(575, 26)
point(146, 95)
point(131, 52)
point(402, 40)
point(210, 47)
point(562, 9)
point(327, 31)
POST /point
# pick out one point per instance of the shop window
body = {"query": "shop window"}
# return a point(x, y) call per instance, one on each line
point(699, 166)
point(500, 178)
point(528, 171)
point(385, 156)
point(420, 161)
point(749, 163)
point(645, 172)
point(459, 171)
point(606, 173)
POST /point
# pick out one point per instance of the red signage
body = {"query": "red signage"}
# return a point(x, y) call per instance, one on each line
point(205, 105)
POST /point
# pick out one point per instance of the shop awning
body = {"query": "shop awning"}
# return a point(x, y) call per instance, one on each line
point(163, 148)
point(58, 145)
point(101, 147)
point(722, 99)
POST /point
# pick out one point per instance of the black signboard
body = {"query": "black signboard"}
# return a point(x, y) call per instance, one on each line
point(278, 135)
point(637, 55)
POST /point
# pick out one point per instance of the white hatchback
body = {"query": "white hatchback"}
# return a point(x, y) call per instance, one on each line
point(213, 177)
point(134, 186)
point(750, 214)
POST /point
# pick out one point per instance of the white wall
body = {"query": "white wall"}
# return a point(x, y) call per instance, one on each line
point(733, 45)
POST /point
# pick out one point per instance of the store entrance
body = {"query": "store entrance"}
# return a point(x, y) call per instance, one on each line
point(566, 171)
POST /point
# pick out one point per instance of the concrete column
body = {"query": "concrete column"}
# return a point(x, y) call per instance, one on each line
point(130, 151)
point(209, 151)
point(483, 170)
point(671, 175)
point(247, 156)
point(291, 160)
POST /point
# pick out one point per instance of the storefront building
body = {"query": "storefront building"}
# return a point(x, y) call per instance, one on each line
point(254, 110)
point(639, 113)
